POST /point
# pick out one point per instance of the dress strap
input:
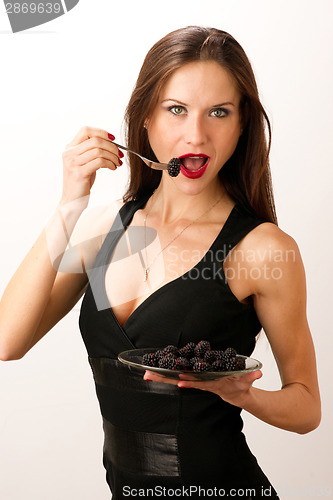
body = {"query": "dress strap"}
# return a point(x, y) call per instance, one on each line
point(239, 223)
point(128, 210)
point(97, 273)
point(120, 224)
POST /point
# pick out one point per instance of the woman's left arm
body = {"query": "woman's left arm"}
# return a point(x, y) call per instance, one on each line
point(280, 302)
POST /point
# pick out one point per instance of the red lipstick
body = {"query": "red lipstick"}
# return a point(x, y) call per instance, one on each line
point(193, 173)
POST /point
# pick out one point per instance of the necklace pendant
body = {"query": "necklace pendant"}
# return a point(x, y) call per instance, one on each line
point(146, 275)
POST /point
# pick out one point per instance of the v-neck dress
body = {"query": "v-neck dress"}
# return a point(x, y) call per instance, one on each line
point(158, 435)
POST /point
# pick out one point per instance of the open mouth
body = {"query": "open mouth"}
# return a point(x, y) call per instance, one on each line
point(194, 166)
point(194, 163)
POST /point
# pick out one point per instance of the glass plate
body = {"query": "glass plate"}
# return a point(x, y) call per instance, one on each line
point(133, 358)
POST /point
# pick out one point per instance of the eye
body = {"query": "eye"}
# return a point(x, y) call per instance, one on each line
point(177, 110)
point(219, 112)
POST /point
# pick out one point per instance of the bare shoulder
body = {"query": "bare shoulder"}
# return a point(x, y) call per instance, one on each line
point(267, 260)
point(269, 236)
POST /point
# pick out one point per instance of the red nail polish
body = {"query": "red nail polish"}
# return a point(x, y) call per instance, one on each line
point(111, 137)
point(120, 153)
point(120, 162)
point(148, 380)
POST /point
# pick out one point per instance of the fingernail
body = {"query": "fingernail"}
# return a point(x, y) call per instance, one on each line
point(148, 380)
point(111, 137)
point(120, 154)
point(120, 162)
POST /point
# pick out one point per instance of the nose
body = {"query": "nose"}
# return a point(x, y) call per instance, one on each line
point(195, 131)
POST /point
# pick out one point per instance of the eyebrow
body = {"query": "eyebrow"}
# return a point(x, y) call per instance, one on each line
point(184, 104)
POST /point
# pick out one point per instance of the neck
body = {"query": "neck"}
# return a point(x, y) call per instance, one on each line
point(171, 204)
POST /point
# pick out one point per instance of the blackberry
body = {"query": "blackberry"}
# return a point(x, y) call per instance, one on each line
point(218, 366)
point(231, 365)
point(150, 359)
point(202, 347)
point(230, 352)
point(188, 350)
point(194, 360)
point(170, 349)
point(209, 357)
point(218, 354)
point(182, 364)
point(168, 362)
point(174, 167)
point(224, 357)
point(240, 364)
point(159, 354)
point(201, 366)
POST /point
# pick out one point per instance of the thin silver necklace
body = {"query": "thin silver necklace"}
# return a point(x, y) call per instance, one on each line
point(148, 268)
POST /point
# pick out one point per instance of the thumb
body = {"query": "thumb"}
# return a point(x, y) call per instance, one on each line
point(256, 375)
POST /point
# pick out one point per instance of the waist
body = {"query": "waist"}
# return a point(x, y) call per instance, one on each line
point(128, 401)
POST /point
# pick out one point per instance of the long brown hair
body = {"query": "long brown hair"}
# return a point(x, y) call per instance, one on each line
point(246, 175)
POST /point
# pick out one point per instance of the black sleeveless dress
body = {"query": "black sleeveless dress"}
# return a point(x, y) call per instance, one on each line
point(161, 440)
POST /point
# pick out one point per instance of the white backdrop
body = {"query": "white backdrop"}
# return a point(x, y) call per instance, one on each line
point(79, 70)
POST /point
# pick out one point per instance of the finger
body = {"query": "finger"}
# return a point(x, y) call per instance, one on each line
point(251, 377)
point(187, 376)
point(93, 148)
point(154, 377)
point(94, 165)
point(188, 384)
point(211, 385)
point(95, 153)
point(248, 378)
point(95, 142)
point(87, 132)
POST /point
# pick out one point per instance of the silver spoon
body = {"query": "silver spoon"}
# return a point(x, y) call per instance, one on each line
point(173, 167)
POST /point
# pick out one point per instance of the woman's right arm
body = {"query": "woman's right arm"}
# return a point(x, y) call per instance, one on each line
point(39, 295)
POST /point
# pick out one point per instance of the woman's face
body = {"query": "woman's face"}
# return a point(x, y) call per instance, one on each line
point(197, 118)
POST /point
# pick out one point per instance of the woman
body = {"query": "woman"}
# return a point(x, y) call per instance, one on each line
point(220, 270)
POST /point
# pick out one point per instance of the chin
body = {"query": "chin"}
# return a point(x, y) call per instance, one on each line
point(190, 187)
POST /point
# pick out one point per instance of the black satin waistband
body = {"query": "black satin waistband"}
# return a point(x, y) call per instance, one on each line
point(112, 373)
point(143, 453)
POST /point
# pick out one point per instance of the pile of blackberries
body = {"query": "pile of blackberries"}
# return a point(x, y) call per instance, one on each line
point(195, 357)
